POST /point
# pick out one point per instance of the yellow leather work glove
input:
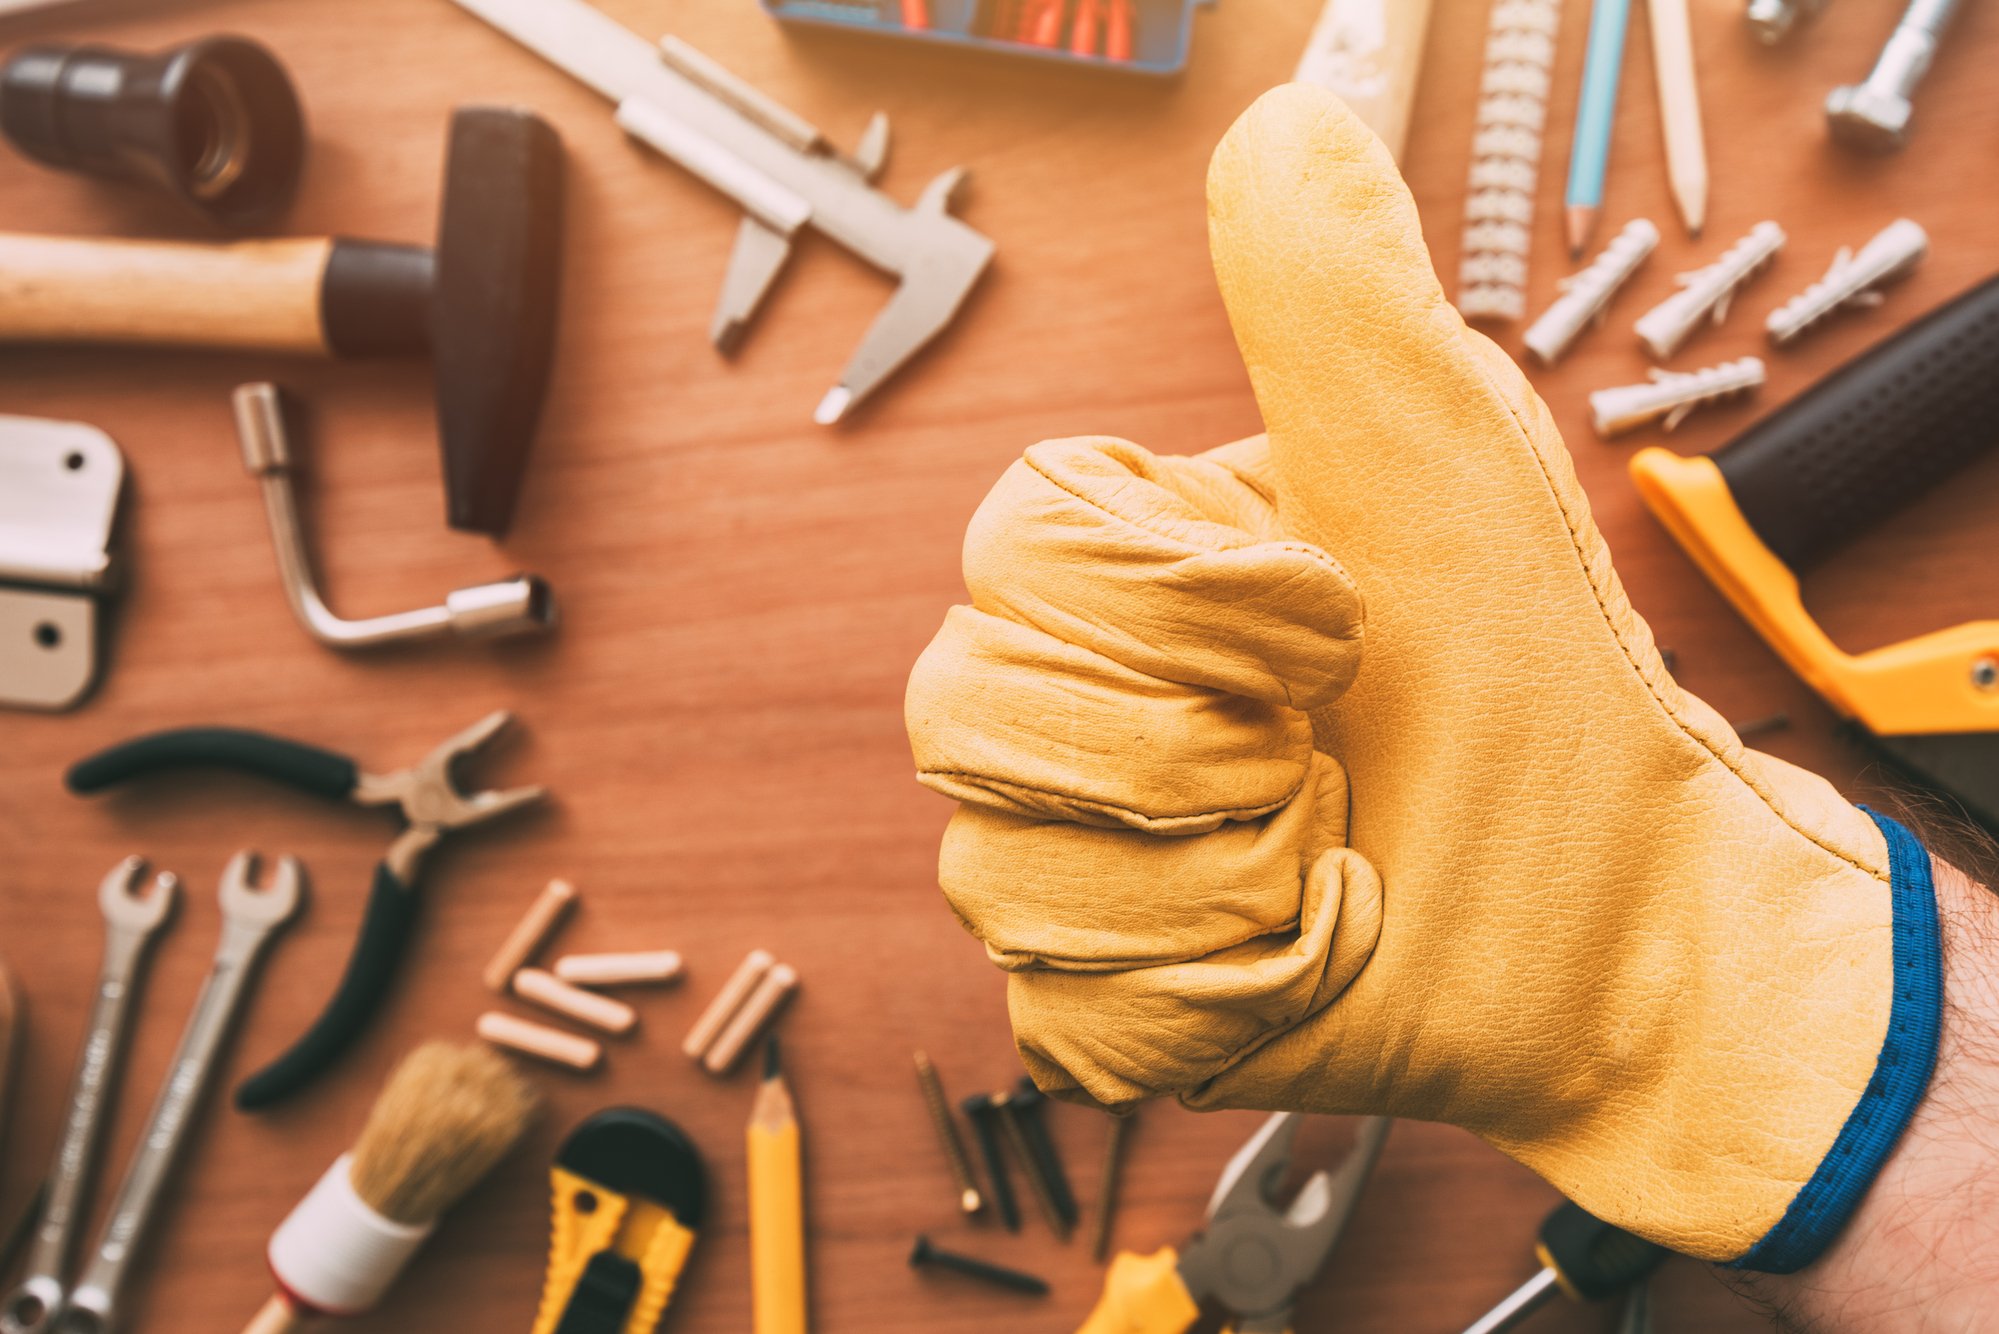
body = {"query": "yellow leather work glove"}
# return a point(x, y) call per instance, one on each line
point(1686, 982)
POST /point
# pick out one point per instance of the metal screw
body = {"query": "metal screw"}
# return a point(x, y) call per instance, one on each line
point(1772, 20)
point(947, 1131)
point(1027, 1104)
point(1037, 1178)
point(925, 1255)
point(1874, 115)
point(984, 1115)
point(1985, 674)
point(1107, 1191)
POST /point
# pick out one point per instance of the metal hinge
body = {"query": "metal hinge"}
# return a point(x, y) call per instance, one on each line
point(59, 488)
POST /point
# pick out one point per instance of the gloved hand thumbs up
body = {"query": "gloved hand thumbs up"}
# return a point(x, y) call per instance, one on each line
point(1142, 645)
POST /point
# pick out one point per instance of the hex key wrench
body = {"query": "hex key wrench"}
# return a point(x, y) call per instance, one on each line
point(516, 606)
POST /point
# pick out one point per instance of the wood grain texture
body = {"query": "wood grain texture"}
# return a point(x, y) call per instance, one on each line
point(259, 295)
point(719, 717)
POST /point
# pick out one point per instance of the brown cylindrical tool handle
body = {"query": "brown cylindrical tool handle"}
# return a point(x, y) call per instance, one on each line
point(248, 294)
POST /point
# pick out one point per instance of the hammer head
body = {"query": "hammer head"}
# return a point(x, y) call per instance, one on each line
point(493, 305)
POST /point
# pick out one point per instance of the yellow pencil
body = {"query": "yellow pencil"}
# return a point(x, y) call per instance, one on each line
point(777, 1207)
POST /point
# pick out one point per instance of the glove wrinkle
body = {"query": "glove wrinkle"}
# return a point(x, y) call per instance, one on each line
point(1169, 1029)
point(1133, 672)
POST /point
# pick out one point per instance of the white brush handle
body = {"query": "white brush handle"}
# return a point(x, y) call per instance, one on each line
point(334, 1253)
point(277, 1317)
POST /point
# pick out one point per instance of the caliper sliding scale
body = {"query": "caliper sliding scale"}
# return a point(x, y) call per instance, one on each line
point(784, 173)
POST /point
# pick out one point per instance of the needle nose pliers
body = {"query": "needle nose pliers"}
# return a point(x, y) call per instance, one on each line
point(1252, 1257)
point(432, 806)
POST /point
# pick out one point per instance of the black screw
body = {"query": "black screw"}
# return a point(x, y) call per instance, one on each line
point(926, 1255)
point(1037, 1179)
point(1026, 1105)
point(1107, 1192)
point(984, 1115)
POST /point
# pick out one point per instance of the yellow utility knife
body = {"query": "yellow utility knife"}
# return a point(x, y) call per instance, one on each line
point(629, 1189)
point(1252, 1257)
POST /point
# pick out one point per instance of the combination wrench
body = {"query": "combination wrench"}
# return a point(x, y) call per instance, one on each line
point(132, 921)
point(251, 917)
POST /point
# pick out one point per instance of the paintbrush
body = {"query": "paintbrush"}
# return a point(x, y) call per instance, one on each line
point(446, 1116)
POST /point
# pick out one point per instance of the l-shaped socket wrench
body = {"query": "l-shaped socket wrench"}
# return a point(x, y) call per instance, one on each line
point(516, 606)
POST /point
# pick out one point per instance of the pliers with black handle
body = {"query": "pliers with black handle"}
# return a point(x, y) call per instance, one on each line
point(432, 806)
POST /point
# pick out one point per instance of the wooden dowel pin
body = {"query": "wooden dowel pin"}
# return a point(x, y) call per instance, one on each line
point(727, 1001)
point(539, 1040)
point(762, 1006)
point(572, 1002)
point(619, 970)
point(530, 934)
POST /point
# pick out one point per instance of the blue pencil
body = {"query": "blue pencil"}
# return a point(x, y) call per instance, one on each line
point(1596, 112)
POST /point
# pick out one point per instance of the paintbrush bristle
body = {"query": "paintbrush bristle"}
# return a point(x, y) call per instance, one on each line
point(446, 1116)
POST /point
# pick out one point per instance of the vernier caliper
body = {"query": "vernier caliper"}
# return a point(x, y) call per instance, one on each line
point(783, 172)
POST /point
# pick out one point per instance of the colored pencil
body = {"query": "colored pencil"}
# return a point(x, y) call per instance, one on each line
point(1596, 113)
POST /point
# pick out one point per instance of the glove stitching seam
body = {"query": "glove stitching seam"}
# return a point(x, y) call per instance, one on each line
point(1597, 593)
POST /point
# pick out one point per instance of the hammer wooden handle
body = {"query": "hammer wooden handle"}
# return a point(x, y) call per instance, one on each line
point(248, 294)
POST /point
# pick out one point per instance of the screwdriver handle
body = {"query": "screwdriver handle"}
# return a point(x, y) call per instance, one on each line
point(1591, 1259)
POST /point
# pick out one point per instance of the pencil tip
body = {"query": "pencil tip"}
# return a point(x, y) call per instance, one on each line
point(771, 1067)
point(1581, 221)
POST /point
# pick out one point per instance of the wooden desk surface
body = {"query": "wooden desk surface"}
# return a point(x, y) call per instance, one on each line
point(743, 593)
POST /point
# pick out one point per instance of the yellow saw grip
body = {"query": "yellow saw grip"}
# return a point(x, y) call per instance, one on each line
point(1143, 1294)
point(1921, 685)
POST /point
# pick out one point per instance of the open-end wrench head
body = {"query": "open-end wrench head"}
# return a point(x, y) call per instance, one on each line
point(124, 904)
point(245, 901)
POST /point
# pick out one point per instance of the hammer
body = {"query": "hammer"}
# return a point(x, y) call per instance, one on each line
point(481, 303)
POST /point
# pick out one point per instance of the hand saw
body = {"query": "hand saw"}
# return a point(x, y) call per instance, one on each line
point(1870, 437)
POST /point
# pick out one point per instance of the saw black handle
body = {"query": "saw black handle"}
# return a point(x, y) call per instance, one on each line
point(293, 763)
point(1594, 1259)
point(1874, 434)
point(378, 954)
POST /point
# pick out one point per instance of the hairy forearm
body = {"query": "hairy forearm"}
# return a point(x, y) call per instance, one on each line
point(1921, 1255)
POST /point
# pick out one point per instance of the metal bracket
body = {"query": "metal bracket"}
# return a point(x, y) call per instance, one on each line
point(59, 488)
